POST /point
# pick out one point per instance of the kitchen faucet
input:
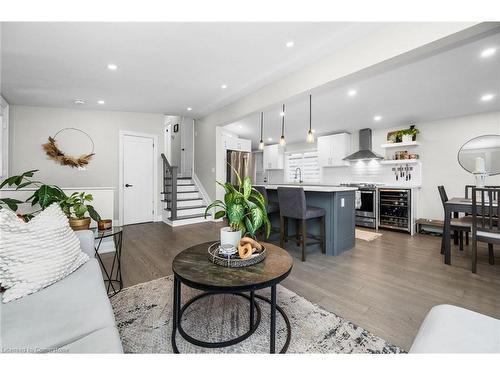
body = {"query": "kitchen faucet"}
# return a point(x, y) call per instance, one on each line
point(295, 177)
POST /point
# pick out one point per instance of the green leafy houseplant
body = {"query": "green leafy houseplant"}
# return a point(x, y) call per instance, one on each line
point(243, 206)
point(45, 195)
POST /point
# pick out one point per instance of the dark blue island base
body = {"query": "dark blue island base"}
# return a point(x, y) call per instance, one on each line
point(340, 218)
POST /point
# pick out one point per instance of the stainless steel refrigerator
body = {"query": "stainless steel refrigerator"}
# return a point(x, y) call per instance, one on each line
point(243, 163)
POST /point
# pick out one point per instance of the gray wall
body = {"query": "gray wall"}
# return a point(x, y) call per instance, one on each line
point(30, 127)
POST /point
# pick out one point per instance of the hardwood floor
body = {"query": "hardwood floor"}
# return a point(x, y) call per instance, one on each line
point(386, 286)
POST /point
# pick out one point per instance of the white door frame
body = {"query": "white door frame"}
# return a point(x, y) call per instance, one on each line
point(167, 138)
point(154, 137)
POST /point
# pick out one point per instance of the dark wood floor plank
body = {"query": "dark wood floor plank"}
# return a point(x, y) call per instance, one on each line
point(386, 286)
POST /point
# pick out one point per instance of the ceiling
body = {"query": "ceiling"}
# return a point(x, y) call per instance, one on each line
point(447, 84)
point(162, 67)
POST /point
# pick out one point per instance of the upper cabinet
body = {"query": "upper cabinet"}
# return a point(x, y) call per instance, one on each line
point(332, 149)
point(274, 157)
point(237, 144)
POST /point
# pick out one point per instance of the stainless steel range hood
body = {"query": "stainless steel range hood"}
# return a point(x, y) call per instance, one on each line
point(365, 148)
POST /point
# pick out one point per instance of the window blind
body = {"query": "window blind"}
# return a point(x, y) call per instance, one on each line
point(307, 162)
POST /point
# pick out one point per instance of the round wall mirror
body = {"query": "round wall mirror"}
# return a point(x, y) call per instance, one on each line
point(481, 155)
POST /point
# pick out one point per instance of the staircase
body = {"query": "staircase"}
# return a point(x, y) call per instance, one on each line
point(182, 199)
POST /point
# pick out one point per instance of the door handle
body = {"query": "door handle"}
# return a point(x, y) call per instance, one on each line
point(182, 149)
point(128, 185)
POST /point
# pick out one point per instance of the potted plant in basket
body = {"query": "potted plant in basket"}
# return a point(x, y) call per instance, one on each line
point(45, 195)
point(245, 210)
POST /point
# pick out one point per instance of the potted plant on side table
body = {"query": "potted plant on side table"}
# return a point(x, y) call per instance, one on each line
point(245, 211)
point(75, 208)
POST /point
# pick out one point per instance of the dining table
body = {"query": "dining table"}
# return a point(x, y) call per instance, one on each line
point(453, 207)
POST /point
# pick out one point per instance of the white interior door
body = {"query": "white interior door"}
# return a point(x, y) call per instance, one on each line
point(187, 147)
point(138, 179)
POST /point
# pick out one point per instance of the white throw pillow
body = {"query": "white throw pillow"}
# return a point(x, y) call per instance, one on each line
point(36, 254)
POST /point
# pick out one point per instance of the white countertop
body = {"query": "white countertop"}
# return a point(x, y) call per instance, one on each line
point(318, 188)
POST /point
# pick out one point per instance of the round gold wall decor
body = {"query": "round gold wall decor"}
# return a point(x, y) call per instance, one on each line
point(52, 150)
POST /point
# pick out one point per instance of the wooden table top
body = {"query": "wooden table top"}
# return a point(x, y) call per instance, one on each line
point(194, 269)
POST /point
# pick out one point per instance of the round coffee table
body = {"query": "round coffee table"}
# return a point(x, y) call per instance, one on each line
point(192, 268)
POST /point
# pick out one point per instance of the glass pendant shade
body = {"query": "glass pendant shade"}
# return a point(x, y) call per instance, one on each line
point(282, 138)
point(282, 141)
point(261, 143)
point(310, 135)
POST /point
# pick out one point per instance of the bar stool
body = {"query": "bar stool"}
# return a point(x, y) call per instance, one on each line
point(271, 207)
point(292, 203)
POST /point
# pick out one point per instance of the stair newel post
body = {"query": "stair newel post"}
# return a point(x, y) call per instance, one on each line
point(173, 208)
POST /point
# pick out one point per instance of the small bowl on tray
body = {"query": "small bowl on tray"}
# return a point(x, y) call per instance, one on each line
point(228, 256)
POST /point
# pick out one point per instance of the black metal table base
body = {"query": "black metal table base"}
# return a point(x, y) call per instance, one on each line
point(114, 275)
point(255, 319)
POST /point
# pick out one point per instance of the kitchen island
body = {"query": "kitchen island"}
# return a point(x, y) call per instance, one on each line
point(339, 203)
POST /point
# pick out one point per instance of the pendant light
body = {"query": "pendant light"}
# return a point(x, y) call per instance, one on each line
point(282, 139)
point(261, 143)
point(310, 135)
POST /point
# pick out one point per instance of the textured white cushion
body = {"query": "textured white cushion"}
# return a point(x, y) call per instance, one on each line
point(36, 254)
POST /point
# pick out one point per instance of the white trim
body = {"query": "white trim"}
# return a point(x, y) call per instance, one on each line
point(121, 135)
point(167, 138)
point(201, 188)
point(4, 128)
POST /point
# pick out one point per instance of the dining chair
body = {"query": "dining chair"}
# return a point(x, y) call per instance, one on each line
point(485, 218)
point(292, 203)
point(457, 224)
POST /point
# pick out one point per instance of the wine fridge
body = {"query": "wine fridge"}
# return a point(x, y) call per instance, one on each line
point(395, 209)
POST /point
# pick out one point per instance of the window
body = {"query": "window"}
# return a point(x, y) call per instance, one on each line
point(308, 164)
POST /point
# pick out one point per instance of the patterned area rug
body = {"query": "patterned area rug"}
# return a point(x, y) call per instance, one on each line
point(144, 312)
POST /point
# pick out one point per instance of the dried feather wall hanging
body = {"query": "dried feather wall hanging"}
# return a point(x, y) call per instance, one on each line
point(53, 151)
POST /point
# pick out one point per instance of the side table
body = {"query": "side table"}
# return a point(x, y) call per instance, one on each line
point(113, 278)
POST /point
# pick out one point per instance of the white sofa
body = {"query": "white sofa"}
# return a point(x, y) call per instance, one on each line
point(73, 315)
point(452, 329)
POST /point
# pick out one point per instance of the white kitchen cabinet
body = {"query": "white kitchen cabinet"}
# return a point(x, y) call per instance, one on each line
point(237, 144)
point(274, 157)
point(332, 149)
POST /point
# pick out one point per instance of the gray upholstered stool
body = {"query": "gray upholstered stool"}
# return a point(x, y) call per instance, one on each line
point(271, 207)
point(292, 203)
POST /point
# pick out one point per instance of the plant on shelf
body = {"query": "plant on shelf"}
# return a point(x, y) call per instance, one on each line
point(45, 195)
point(410, 134)
point(245, 210)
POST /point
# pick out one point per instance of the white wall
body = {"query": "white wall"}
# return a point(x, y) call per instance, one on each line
point(397, 43)
point(30, 127)
point(440, 142)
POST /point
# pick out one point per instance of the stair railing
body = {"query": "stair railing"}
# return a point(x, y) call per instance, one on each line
point(170, 183)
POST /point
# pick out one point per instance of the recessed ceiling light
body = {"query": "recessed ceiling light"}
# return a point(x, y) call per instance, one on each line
point(101, 102)
point(240, 126)
point(352, 92)
point(487, 97)
point(488, 52)
point(377, 118)
point(290, 44)
point(269, 139)
point(112, 67)
point(189, 108)
point(79, 101)
point(223, 86)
